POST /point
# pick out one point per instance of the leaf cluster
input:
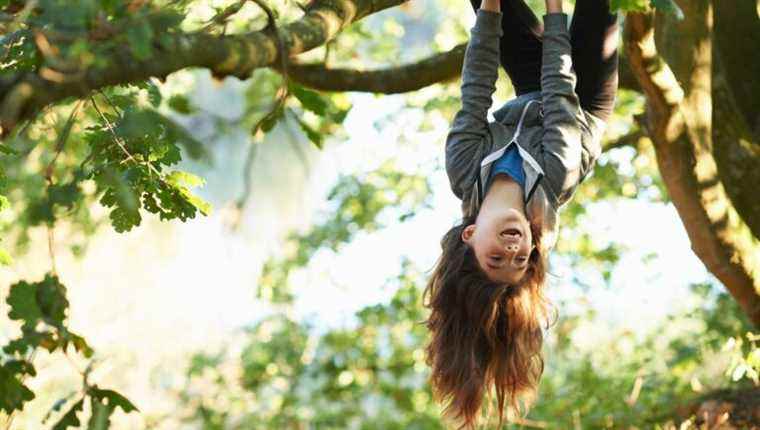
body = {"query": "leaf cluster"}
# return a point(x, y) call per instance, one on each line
point(41, 308)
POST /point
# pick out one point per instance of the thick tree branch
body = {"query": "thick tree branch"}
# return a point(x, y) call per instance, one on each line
point(680, 127)
point(440, 67)
point(737, 37)
point(736, 150)
point(23, 95)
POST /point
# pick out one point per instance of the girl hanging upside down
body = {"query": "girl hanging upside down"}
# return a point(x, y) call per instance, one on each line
point(513, 175)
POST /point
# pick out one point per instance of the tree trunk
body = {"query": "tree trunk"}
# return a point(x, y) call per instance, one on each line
point(679, 88)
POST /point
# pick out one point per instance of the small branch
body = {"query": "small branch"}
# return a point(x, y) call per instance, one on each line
point(222, 17)
point(282, 95)
point(116, 138)
point(628, 140)
point(62, 138)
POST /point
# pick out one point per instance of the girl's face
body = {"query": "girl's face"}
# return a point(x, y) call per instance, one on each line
point(502, 242)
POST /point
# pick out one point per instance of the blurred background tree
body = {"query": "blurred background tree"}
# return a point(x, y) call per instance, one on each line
point(99, 129)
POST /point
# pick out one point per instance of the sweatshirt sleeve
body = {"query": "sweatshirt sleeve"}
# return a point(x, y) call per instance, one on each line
point(469, 133)
point(564, 121)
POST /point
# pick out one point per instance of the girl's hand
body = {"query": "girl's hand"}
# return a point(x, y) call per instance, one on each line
point(553, 6)
point(491, 5)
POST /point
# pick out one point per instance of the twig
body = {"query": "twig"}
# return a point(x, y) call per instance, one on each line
point(282, 95)
point(51, 246)
point(226, 13)
point(631, 139)
point(62, 138)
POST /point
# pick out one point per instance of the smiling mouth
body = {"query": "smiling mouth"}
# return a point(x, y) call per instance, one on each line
point(512, 232)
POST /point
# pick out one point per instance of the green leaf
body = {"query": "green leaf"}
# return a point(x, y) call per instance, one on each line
point(181, 104)
point(629, 5)
point(270, 121)
point(140, 37)
point(166, 19)
point(179, 178)
point(154, 93)
point(5, 258)
point(177, 133)
point(20, 367)
point(30, 339)
point(51, 299)
point(81, 345)
point(70, 419)
point(753, 358)
point(310, 100)
point(65, 195)
point(22, 300)
point(114, 399)
point(124, 219)
point(57, 406)
point(202, 205)
point(13, 394)
point(5, 149)
point(313, 135)
point(101, 415)
point(739, 372)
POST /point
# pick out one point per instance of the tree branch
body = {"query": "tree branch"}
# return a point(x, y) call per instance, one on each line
point(440, 67)
point(627, 140)
point(22, 96)
point(737, 36)
point(680, 127)
point(737, 153)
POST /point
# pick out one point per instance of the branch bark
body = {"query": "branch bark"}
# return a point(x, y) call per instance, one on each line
point(736, 113)
point(736, 150)
point(680, 123)
point(22, 96)
point(737, 36)
point(440, 67)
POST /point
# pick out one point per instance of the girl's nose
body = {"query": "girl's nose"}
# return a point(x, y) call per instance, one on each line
point(512, 247)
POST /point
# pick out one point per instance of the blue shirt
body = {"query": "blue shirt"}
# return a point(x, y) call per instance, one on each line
point(510, 163)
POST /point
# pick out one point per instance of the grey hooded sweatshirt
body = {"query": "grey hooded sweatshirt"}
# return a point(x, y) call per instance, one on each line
point(558, 141)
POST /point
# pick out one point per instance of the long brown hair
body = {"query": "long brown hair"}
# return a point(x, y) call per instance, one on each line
point(485, 334)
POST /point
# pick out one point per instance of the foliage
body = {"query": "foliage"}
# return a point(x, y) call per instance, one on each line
point(119, 148)
point(745, 360)
point(667, 6)
point(371, 375)
point(41, 308)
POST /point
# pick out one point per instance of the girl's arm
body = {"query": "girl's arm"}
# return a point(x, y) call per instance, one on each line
point(564, 121)
point(469, 132)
